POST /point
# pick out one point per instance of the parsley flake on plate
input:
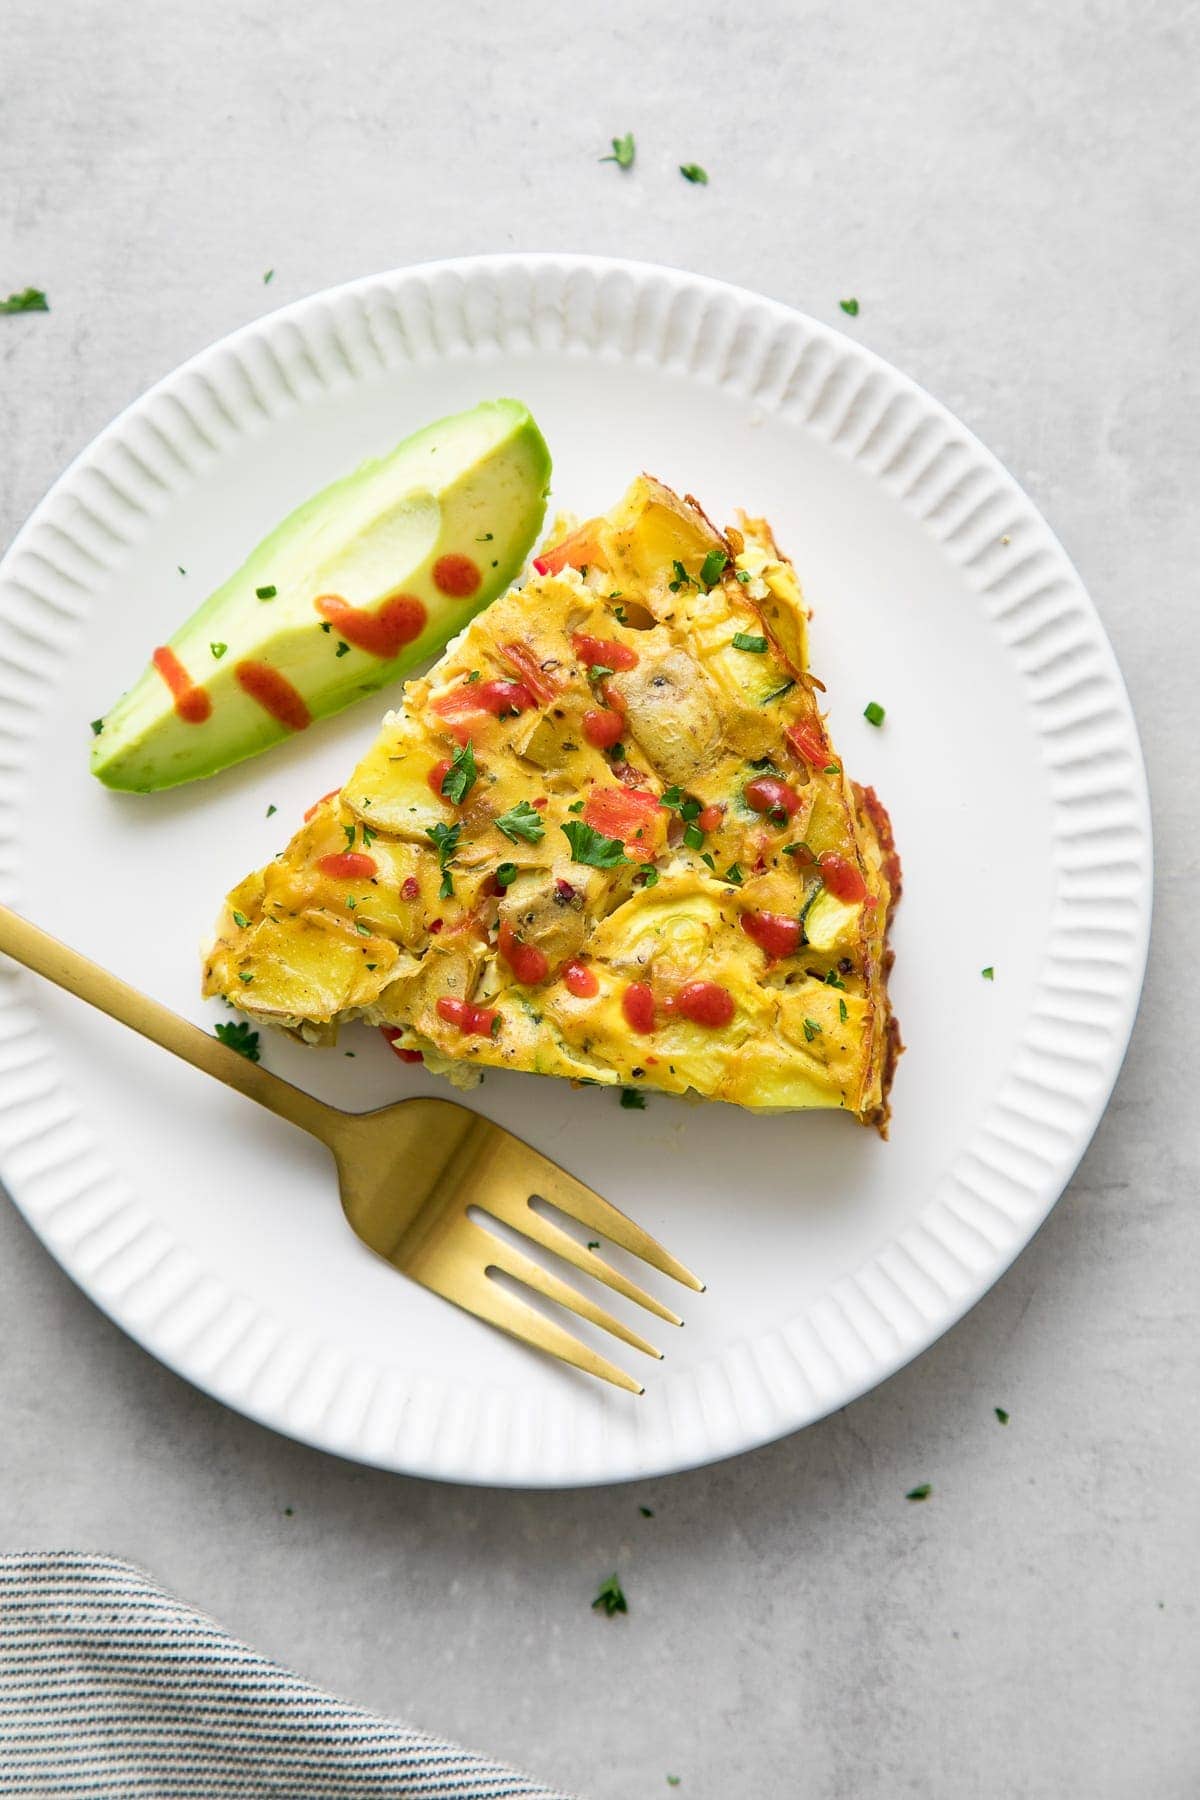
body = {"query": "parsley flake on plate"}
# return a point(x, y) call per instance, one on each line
point(29, 299)
point(633, 1100)
point(522, 821)
point(647, 1512)
point(989, 974)
point(237, 1035)
point(623, 151)
point(920, 1493)
point(873, 713)
point(849, 306)
point(610, 1598)
point(694, 173)
point(1001, 1414)
point(592, 847)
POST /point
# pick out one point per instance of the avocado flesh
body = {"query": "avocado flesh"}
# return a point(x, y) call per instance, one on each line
point(470, 486)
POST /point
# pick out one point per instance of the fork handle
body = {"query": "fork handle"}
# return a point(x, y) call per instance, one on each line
point(38, 951)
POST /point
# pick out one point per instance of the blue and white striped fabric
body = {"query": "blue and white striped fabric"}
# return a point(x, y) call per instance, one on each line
point(112, 1690)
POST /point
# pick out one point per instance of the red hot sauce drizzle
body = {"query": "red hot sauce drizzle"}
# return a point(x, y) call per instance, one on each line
point(274, 693)
point(384, 632)
point(192, 704)
point(456, 576)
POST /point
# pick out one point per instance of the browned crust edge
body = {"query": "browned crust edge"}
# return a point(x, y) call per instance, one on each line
point(881, 824)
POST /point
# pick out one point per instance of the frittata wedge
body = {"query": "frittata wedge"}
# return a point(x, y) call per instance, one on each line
point(606, 838)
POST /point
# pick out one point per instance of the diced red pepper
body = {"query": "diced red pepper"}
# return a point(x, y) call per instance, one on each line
point(602, 728)
point(410, 887)
point(494, 697)
point(767, 794)
point(709, 818)
point(348, 865)
point(539, 681)
point(842, 878)
point(409, 1056)
point(603, 653)
point(809, 742)
point(577, 550)
point(438, 774)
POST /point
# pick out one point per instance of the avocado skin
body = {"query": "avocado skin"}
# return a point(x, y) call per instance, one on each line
point(473, 484)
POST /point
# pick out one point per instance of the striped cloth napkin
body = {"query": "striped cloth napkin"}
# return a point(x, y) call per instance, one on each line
point(109, 1688)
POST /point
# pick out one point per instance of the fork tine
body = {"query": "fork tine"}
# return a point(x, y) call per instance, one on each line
point(523, 1268)
point(518, 1213)
point(581, 1203)
point(476, 1293)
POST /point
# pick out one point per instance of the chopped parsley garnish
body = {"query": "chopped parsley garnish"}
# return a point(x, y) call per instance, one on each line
point(647, 1512)
point(674, 1780)
point(592, 847)
point(475, 675)
point(327, 626)
point(218, 650)
point(365, 930)
point(444, 839)
point(486, 538)
point(777, 693)
point(633, 1100)
point(245, 975)
point(706, 858)
point(576, 806)
point(843, 1014)
point(348, 832)
point(368, 836)
point(240, 919)
point(694, 173)
point(271, 810)
point(646, 878)
point(610, 1598)
point(832, 769)
point(1000, 1414)
point(506, 874)
point(343, 649)
point(623, 151)
point(693, 837)
point(616, 751)
point(811, 1030)
point(265, 593)
point(833, 979)
point(619, 614)
point(744, 640)
point(97, 727)
point(873, 713)
point(849, 306)
point(236, 1033)
point(459, 778)
point(920, 1493)
point(711, 568)
point(989, 974)
point(522, 821)
point(593, 1244)
point(733, 873)
point(682, 578)
point(742, 575)
point(28, 300)
point(268, 278)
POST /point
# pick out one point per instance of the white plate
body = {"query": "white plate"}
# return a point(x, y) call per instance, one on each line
point(1009, 761)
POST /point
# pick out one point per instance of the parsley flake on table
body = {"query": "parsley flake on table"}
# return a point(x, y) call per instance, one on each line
point(873, 713)
point(236, 1033)
point(647, 1512)
point(849, 306)
point(268, 278)
point(633, 1100)
point(1001, 1414)
point(674, 1780)
point(592, 847)
point(745, 640)
point(522, 821)
point(694, 173)
point(623, 151)
point(920, 1493)
point(29, 299)
point(459, 778)
point(271, 810)
point(444, 839)
point(989, 974)
point(610, 1599)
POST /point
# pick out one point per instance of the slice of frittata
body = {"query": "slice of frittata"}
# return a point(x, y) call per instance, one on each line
point(606, 838)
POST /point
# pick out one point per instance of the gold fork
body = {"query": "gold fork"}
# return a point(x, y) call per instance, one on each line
point(410, 1174)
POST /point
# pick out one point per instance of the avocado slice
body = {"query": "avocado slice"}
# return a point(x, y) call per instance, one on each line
point(360, 584)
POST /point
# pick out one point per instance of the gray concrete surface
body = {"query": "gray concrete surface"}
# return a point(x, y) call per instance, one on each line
point(1009, 190)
